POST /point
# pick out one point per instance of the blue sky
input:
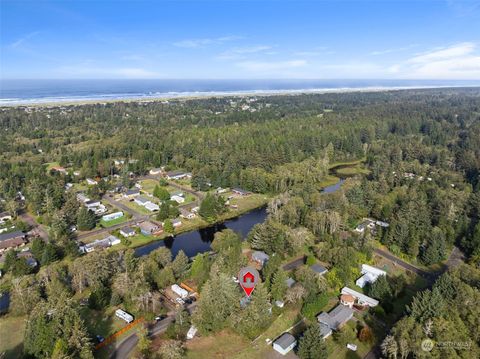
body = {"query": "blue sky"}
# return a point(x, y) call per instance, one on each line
point(240, 39)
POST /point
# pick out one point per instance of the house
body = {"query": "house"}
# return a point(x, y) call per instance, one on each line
point(113, 240)
point(155, 171)
point(279, 303)
point(177, 199)
point(76, 173)
point(112, 216)
point(367, 223)
point(91, 182)
point(195, 209)
point(152, 207)
point(97, 244)
point(325, 330)
point(92, 204)
point(81, 197)
point(317, 268)
point(260, 257)
point(131, 193)
point(290, 282)
point(176, 222)
point(347, 300)
point(361, 299)
point(284, 343)
point(186, 214)
point(118, 162)
point(127, 232)
point(178, 193)
point(336, 318)
point(12, 240)
point(177, 175)
point(370, 275)
point(5, 217)
point(220, 190)
point(148, 228)
point(240, 191)
point(382, 224)
point(141, 201)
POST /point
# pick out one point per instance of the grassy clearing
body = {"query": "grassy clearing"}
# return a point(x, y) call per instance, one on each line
point(136, 208)
point(352, 171)
point(328, 180)
point(148, 185)
point(223, 345)
point(347, 163)
point(339, 350)
point(11, 336)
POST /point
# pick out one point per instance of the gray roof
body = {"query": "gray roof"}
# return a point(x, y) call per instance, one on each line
point(240, 190)
point(128, 230)
point(7, 236)
point(142, 199)
point(336, 317)
point(132, 191)
point(260, 256)
point(319, 269)
point(325, 330)
point(176, 173)
point(290, 282)
point(285, 340)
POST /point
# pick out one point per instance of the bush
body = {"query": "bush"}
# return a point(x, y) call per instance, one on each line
point(312, 307)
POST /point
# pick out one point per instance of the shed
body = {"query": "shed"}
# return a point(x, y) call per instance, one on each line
point(284, 343)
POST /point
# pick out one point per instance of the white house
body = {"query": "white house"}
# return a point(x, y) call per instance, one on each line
point(370, 275)
point(5, 217)
point(155, 171)
point(176, 222)
point(127, 232)
point(141, 201)
point(361, 299)
point(186, 214)
point(112, 216)
point(284, 343)
point(152, 207)
point(177, 199)
point(113, 240)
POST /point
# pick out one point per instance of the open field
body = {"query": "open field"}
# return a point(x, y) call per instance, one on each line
point(135, 207)
point(11, 336)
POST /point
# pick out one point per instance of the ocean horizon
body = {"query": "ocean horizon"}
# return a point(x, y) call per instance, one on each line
point(29, 92)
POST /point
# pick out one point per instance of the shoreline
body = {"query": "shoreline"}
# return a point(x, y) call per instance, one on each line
point(183, 96)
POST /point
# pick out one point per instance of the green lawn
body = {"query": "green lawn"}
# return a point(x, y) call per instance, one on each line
point(135, 207)
point(148, 185)
point(113, 222)
point(11, 336)
point(339, 350)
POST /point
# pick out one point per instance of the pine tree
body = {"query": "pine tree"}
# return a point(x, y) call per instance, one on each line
point(161, 193)
point(312, 345)
point(164, 211)
point(168, 226)
point(279, 285)
point(255, 317)
point(85, 219)
point(180, 265)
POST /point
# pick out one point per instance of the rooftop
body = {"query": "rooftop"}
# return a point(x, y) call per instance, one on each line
point(285, 340)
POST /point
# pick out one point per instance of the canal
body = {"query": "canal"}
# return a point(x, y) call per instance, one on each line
point(194, 242)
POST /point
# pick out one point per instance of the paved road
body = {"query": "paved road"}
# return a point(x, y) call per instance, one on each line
point(456, 258)
point(122, 206)
point(294, 264)
point(402, 263)
point(125, 348)
point(196, 194)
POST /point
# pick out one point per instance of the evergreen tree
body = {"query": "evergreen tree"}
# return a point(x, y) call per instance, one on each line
point(211, 207)
point(161, 193)
point(164, 211)
point(380, 289)
point(279, 286)
point(312, 345)
point(168, 226)
point(180, 265)
point(85, 219)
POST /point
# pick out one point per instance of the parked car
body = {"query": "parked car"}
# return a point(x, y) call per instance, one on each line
point(160, 317)
point(100, 339)
point(180, 301)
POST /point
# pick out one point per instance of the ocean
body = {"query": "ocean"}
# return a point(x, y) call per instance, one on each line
point(25, 92)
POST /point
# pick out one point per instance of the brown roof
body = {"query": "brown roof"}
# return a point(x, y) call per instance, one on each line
point(347, 298)
point(10, 243)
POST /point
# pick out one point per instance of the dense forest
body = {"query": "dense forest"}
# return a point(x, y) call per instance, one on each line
point(420, 155)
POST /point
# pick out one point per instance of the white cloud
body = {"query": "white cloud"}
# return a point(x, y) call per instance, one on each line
point(23, 39)
point(240, 52)
point(268, 66)
point(459, 61)
point(393, 50)
point(199, 43)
